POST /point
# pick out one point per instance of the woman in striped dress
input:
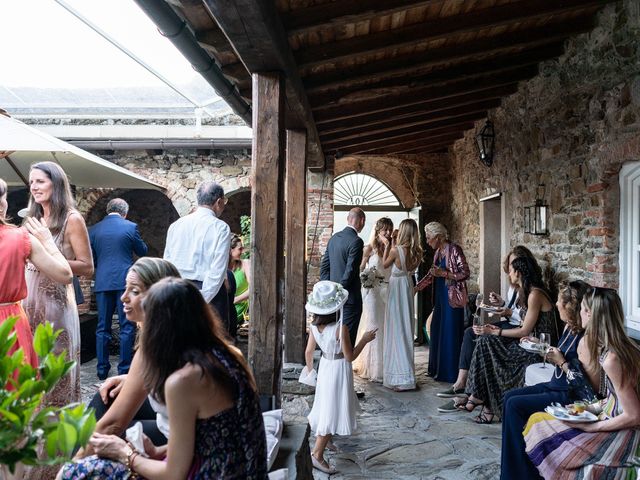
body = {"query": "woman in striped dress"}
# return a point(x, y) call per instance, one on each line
point(610, 447)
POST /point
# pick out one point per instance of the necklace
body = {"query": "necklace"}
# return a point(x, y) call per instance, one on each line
point(555, 371)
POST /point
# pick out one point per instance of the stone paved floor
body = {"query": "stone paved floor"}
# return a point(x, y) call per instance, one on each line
point(89, 381)
point(402, 436)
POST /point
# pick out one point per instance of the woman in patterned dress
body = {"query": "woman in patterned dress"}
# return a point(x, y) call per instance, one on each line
point(216, 426)
point(610, 447)
point(498, 363)
point(49, 301)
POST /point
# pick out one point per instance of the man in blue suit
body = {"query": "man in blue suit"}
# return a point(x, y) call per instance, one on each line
point(114, 240)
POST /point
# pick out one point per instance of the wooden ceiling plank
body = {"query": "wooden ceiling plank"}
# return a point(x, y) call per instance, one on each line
point(481, 106)
point(365, 135)
point(392, 135)
point(455, 73)
point(376, 146)
point(439, 28)
point(421, 139)
point(429, 105)
point(413, 96)
point(344, 12)
point(254, 29)
point(402, 64)
point(214, 41)
point(414, 149)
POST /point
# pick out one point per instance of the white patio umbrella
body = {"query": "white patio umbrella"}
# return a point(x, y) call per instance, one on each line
point(22, 145)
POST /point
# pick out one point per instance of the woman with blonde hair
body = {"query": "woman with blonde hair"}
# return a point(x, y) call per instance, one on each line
point(447, 275)
point(404, 257)
point(607, 448)
point(374, 301)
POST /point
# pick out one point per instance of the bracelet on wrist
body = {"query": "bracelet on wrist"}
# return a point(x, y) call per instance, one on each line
point(499, 332)
point(131, 455)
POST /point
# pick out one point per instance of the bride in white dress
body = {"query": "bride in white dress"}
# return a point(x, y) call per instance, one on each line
point(399, 324)
point(374, 303)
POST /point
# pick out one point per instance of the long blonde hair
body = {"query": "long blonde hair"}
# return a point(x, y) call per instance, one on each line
point(606, 331)
point(3, 192)
point(409, 237)
point(382, 224)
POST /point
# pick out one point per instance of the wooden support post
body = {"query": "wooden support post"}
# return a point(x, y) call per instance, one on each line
point(267, 232)
point(296, 246)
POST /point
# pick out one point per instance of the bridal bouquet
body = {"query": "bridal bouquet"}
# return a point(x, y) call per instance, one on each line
point(370, 278)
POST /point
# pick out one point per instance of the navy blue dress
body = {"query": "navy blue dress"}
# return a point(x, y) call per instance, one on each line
point(521, 403)
point(447, 329)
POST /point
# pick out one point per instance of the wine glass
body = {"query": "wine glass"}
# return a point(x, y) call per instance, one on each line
point(478, 321)
point(479, 300)
point(545, 340)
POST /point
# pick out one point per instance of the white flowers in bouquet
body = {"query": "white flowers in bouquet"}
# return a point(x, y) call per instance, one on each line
point(370, 278)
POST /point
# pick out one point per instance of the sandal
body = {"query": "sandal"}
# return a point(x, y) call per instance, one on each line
point(464, 406)
point(485, 417)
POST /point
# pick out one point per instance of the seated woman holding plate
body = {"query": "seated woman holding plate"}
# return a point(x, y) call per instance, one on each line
point(567, 384)
point(606, 448)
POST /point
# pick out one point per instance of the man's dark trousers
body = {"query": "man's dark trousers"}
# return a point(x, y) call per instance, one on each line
point(107, 302)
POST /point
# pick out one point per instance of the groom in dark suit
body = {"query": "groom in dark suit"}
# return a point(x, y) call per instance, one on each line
point(341, 264)
point(114, 240)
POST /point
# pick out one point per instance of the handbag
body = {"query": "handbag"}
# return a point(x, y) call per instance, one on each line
point(457, 292)
point(308, 377)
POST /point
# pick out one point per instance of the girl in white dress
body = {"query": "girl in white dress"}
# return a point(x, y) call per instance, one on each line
point(335, 404)
point(374, 303)
point(399, 324)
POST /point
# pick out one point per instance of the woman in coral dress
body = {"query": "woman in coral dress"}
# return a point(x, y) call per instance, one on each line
point(18, 246)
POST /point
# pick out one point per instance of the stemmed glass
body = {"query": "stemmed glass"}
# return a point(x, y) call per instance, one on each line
point(545, 343)
point(479, 300)
point(478, 321)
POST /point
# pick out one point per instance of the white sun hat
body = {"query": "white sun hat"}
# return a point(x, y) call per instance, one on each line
point(327, 297)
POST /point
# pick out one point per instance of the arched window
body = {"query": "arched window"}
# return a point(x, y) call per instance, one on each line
point(356, 189)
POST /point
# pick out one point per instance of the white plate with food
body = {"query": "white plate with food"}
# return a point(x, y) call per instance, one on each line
point(531, 347)
point(570, 415)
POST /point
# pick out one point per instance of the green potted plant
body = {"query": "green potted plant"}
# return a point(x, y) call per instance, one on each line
point(30, 433)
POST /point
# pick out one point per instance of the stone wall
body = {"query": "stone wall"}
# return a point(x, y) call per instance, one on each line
point(571, 128)
point(319, 221)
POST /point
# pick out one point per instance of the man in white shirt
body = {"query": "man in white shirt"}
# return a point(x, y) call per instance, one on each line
point(198, 245)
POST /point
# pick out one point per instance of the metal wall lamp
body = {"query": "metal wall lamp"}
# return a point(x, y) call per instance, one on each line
point(535, 216)
point(485, 141)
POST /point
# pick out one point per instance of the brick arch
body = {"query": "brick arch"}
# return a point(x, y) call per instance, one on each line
point(392, 177)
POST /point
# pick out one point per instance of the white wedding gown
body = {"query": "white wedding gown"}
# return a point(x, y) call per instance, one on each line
point(374, 304)
point(399, 368)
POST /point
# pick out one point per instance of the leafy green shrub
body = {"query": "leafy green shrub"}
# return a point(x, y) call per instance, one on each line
point(25, 424)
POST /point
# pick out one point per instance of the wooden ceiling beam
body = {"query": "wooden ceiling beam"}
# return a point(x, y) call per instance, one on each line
point(214, 41)
point(410, 120)
point(344, 12)
point(348, 118)
point(405, 64)
point(421, 138)
point(450, 125)
point(440, 28)
point(445, 76)
point(329, 141)
point(429, 141)
point(418, 95)
point(415, 149)
point(255, 31)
